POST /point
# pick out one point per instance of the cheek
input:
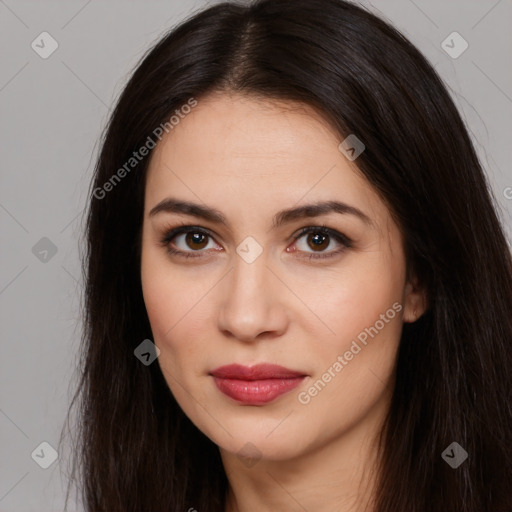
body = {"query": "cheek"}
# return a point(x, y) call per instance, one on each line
point(176, 307)
point(350, 300)
point(367, 335)
point(364, 311)
point(174, 311)
point(353, 372)
point(165, 298)
point(171, 322)
point(167, 295)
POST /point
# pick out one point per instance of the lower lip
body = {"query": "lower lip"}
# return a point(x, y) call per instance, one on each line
point(256, 392)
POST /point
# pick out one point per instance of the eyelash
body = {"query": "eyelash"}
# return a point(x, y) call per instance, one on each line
point(339, 237)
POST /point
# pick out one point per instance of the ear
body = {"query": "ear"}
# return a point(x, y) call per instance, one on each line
point(415, 301)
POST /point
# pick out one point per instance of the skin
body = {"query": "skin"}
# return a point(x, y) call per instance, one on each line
point(250, 158)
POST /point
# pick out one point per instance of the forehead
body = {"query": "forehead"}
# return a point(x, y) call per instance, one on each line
point(240, 128)
point(256, 152)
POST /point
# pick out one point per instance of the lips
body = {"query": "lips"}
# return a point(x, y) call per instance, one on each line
point(257, 372)
point(255, 385)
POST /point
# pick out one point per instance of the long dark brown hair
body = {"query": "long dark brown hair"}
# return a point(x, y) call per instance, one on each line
point(134, 449)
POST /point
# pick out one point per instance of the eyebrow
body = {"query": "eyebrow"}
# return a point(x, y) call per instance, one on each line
point(171, 205)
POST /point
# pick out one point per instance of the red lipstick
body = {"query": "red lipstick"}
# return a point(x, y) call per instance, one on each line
point(255, 385)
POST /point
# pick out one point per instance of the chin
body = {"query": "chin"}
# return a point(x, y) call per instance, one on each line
point(258, 444)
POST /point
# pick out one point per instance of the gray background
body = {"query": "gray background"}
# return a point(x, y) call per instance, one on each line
point(52, 112)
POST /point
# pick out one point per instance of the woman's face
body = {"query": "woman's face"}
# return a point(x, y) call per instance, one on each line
point(329, 307)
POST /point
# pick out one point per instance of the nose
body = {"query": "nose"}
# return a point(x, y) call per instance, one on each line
point(253, 304)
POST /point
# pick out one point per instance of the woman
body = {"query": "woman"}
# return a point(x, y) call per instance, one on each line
point(299, 294)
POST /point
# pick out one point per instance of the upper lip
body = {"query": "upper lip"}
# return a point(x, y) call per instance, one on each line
point(256, 372)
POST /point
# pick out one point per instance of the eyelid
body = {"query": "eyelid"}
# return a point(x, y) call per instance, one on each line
point(183, 229)
point(322, 228)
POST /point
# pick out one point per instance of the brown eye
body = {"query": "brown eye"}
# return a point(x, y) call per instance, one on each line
point(187, 242)
point(318, 240)
point(196, 240)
